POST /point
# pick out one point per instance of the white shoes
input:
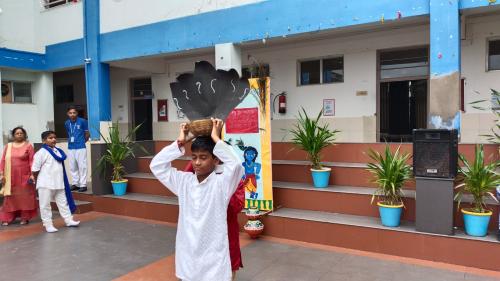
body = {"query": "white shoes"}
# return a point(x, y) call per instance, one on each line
point(50, 229)
point(72, 223)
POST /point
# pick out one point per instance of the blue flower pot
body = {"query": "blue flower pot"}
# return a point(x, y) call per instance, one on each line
point(119, 187)
point(321, 177)
point(476, 224)
point(389, 214)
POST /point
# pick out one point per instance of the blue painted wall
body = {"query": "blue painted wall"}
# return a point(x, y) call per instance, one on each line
point(268, 19)
point(444, 37)
point(23, 60)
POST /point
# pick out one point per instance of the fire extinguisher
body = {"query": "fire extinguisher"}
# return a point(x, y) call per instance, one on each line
point(282, 103)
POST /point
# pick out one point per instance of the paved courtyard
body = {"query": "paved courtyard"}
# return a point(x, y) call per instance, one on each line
point(107, 247)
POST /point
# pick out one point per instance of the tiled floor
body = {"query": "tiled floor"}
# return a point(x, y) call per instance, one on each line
point(109, 247)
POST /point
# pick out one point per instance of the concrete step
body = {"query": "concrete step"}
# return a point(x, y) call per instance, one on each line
point(81, 206)
point(367, 234)
point(342, 230)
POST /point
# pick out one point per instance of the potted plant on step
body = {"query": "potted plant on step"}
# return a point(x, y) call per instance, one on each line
point(118, 149)
point(478, 179)
point(310, 136)
point(390, 172)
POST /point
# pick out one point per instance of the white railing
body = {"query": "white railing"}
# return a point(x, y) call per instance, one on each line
point(47, 4)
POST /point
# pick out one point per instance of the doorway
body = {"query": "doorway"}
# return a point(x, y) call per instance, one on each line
point(142, 108)
point(402, 94)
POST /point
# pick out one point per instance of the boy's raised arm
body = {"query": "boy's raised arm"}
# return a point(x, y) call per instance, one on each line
point(233, 170)
point(161, 165)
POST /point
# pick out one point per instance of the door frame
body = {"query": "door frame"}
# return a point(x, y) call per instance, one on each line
point(131, 100)
point(405, 78)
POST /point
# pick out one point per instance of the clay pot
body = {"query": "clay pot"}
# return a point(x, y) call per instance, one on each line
point(254, 227)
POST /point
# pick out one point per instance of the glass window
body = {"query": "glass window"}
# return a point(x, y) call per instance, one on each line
point(310, 72)
point(142, 88)
point(333, 70)
point(494, 55)
point(22, 92)
point(404, 63)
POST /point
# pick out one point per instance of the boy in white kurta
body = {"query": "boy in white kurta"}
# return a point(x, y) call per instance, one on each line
point(202, 249)
point(50, 183)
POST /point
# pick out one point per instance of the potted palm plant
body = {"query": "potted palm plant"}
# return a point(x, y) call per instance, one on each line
point(390, 172)
point(478, 179)
point(118, 149)
point(310, 136)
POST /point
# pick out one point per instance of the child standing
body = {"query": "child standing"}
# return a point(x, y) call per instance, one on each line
point(51, 182)
point(236, 205)
point(202, 250)
point(78, 134)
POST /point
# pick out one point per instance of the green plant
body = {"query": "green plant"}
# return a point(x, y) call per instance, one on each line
point(390, 172)
point(478, 179)
point(310, 136)
point(117, 150)
point(494, 136)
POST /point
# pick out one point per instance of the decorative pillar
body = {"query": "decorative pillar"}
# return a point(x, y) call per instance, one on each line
point(96, 73)
point(444, 97)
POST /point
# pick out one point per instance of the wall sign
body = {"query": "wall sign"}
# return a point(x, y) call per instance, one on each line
point(329, 107)
point(162, 111)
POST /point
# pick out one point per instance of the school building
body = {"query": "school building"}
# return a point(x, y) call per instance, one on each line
point(383, 68)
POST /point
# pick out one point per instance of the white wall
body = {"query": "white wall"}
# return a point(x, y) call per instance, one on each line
point(116, 15)
point(59, 24)
point(478, 81)
point(35, 117)
point(17, 25)
point(26, 26)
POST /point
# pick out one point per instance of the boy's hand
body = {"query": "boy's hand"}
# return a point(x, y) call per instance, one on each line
point(217, 129)
point(32, 179)
point(183, 134)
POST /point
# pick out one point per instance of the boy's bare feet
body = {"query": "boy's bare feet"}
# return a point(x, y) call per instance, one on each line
point(24, 222)
point(5, 223)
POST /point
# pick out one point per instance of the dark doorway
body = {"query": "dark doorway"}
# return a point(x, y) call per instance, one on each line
point(403, 86)
point(142, 108)
point(403, 107)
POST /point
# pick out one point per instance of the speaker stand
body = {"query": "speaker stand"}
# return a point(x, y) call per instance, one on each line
point(434, 205)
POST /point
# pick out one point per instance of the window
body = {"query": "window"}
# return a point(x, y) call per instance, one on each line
point(494, 54)
point(142, 88)
point(47, 4)
point(404, 63)
point(22, 92)
point(16, 92)
point(65, 94)
point(321, 71)
point(333, 70)
point(253, 71)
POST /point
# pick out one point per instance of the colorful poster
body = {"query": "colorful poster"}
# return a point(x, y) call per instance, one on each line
point(248, 129)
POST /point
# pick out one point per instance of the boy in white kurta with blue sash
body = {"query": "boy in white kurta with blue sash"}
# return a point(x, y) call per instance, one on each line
point(202, 248)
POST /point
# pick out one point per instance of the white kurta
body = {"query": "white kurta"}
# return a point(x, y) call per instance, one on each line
point(51, 172)
point(201, 247)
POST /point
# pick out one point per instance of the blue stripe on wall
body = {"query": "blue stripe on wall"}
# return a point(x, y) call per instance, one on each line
point(469, 4)
point(273, 18)
point(22, 60)
point(251, 22)
point(444, 37)
point(64, 55)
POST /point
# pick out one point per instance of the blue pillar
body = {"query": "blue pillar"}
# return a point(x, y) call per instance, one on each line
point(96, 72)
point(444, 96)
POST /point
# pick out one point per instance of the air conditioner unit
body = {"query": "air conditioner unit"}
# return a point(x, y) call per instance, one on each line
point(6, 92)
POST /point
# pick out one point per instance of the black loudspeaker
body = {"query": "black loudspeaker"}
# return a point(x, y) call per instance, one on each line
point(435, 153)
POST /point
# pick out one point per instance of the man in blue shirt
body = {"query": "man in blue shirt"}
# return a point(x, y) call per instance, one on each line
point(78, 134)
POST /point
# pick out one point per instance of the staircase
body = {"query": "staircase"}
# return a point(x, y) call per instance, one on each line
point(340, 215)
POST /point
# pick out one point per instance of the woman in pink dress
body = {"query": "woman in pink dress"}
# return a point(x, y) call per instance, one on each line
point(17, 188)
